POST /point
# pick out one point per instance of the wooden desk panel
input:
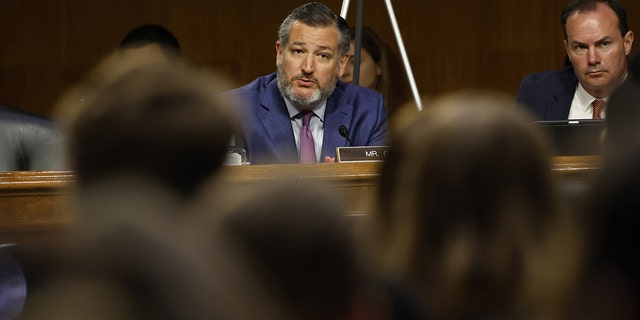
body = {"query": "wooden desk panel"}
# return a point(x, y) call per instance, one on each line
point(32, 204)
point(579, 166)
point(354, 181)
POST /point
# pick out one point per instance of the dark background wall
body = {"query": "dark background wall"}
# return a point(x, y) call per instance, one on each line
point(47, 45)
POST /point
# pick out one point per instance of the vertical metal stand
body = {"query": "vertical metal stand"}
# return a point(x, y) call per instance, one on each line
point(396, 30)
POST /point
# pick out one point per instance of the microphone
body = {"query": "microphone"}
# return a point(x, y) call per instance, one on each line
point(345, 133)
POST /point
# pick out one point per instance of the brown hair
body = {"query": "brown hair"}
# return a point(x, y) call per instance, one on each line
point(156, 119)
point(468, 205)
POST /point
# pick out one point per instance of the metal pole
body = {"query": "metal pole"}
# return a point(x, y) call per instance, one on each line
point(396, 31)
point(355, 79)
point(403, 53)
point(344, 9)
point(358, 43)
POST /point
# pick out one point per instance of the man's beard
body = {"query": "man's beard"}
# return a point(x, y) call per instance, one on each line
point(306, 103)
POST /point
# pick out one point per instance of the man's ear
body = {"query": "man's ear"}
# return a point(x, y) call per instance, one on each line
point(278, 52)
point(628, 42)
point(343, 64)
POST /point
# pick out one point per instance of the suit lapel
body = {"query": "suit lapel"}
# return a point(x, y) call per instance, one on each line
point(275, 117)
point(559, 109)
point(337, 113)
point(563, 101)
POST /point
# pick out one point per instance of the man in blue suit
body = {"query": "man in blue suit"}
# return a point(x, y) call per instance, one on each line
point(598, 42)
point(311, 53)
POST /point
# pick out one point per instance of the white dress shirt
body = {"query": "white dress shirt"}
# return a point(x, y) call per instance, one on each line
point(316, 125)
point(581, 107)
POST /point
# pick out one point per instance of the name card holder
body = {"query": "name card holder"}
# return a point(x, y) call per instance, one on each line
point(362, 154)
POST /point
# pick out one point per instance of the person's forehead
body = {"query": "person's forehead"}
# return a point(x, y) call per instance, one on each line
point(322, 36)
point(602, 13)
point(603, 20)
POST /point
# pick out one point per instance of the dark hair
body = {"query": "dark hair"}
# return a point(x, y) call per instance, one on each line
point(155, 121)
point(316, 14)
point(612, 207)
point(152, 34)
point(305, 254)
point(449, 187)
point(376, 48)
point(623, 114)
point(590, 5)
point(370, 42)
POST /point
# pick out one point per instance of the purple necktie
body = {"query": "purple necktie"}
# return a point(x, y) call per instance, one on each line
point(307, 147)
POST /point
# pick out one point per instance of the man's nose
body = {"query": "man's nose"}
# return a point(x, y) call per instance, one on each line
point(594, 57)
point(308, 64)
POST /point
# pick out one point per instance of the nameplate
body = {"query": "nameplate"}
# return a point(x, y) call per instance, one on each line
point(361, 154)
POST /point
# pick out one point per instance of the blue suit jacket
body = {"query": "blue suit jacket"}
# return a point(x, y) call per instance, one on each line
point(267, 134)
point(549, 94)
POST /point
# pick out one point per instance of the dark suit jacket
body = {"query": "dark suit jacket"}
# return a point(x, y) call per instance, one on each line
point(549, 94)
point(28, 142)
point(267, 133)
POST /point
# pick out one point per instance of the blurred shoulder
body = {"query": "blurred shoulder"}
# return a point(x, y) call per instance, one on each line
point(9, 115)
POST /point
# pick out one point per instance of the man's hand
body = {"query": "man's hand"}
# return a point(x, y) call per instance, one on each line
point(328, 159)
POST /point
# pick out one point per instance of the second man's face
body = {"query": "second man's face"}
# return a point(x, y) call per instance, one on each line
point(597, 50)
point(309, 65)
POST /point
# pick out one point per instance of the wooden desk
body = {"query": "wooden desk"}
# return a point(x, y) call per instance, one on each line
point(575, 166)
point(33, 204)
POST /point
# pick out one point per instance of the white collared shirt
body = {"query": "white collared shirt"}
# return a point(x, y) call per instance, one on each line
point(581, 107)
point(316, 125)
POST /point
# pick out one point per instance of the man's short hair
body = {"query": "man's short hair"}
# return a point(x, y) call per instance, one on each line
point(316, 14)
point(590, 5)
point(156, 121)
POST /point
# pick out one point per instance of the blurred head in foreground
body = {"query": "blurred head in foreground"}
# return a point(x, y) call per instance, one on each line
point(145, 269)
point(152, 119)
point(623, 114)
point(297, 243)
point(469, 211)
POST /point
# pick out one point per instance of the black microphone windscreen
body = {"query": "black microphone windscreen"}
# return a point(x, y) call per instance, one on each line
point(343, 131)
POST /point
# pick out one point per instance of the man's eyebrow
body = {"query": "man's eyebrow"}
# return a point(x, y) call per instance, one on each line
point(605, 38)
point(325, 48)
point(319, 48)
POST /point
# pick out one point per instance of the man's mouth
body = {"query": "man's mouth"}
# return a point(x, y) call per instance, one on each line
point(594, 73)
point(305, 82)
